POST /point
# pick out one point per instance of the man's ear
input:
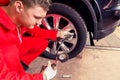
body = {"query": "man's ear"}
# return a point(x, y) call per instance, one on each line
point(18, 6)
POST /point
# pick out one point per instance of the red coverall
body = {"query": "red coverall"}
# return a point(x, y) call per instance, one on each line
point(33, 46)
point(10, 66)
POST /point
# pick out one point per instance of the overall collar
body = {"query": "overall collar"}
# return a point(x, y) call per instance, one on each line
point(6, 21)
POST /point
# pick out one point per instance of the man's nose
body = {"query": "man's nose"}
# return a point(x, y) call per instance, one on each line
point(39, 22)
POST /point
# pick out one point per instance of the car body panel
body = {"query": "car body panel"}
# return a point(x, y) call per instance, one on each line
point(97, 14)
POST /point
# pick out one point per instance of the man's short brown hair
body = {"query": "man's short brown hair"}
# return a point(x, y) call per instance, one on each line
point(29, 3)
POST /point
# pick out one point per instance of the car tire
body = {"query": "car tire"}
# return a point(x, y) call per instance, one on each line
point(79, 27)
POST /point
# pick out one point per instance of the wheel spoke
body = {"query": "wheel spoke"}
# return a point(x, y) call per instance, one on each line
point(54, 48)
point(65, 48)
point(68, 27)
point(56, 21)
point(72, 41)
point(46, 24)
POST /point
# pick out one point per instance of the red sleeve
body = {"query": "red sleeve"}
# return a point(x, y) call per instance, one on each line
point(4, 2)
point(43, 33)
point(6, 74)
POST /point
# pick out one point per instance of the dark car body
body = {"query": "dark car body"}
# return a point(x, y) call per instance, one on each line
point(101, 16)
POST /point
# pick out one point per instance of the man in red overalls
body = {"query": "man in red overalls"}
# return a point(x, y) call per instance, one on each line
point(17, 17)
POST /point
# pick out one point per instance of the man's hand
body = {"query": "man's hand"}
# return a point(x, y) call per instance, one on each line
point(64, 34)
point(49, 72)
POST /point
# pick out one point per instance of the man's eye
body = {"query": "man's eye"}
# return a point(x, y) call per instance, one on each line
point(38, 17)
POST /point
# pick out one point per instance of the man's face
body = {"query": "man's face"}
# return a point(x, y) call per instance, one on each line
point(31, 16)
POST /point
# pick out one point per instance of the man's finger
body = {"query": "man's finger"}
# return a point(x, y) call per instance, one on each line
point(49, 63)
